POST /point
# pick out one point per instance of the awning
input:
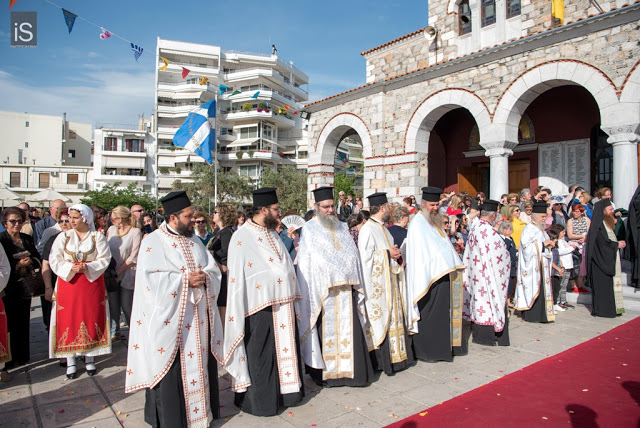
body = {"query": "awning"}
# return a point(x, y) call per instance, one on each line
point(190, 54)
point(123, 162)
point(242, 142)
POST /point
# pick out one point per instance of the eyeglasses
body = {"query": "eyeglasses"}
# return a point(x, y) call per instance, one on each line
point(15, 221)
point(137, 211)
point(445, 223)
point(518, 209)
point(63, 221)
point(201, 221)
point(215, 212)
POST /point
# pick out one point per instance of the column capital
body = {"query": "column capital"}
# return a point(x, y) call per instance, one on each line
point(623, 138)
point(498, 148)
point(623, 133)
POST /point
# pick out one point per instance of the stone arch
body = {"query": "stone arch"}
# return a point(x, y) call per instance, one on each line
point(434, 107)
point(521, 92)
point(332, 133)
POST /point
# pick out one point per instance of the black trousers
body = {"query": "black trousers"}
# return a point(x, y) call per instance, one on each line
point(18, 312)
point(555, 287)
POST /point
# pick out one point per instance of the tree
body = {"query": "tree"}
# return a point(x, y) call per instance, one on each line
point(291, 186)
point(232, 188)
point(342, 183)
point(110, 196)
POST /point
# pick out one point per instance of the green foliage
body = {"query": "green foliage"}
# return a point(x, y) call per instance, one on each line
point(239, 154)
point(232, 188)
point(110, 197)
point(342, 183)
point(251, 153)
point(164, 170)
point(291, 186)
point(262, 105)
point(246, 107)
point(177, 170)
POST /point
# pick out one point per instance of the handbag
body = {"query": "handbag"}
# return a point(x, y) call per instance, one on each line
point(111, 277)
point(577, 260)
point(31, 282)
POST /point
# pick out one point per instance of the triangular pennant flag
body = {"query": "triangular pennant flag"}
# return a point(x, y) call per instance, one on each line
point(295, 112)
point(11, 3)
point(137, 51)
point(286, 107)
point(280, 111)
point(236, 92)
point(69, 19)
point(203, 80)
point(185, 72)
point(105, 33)
point(255, 95)
point(166, 64)
point(222, 89)
point(266, 103)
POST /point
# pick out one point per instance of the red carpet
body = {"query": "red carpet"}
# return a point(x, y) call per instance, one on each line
point(594, 384)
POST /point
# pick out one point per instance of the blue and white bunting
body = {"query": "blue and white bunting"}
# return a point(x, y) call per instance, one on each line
point(69, 19)
point(137, 51)
point(196, 133)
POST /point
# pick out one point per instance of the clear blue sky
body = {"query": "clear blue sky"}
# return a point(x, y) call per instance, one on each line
point(98, 81)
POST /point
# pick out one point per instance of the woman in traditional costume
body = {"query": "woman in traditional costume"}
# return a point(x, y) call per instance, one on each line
point(5, 351)
point(80, 313)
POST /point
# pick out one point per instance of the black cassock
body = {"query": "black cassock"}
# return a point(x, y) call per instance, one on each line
point(263, 397)
point(362, 368)
point(633, 236)
point(164, 405)
point(538, 312)
point(601, 270)
point(433, 341)
point(486, 334)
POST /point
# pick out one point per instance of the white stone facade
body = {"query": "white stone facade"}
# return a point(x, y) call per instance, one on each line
point(411, 86)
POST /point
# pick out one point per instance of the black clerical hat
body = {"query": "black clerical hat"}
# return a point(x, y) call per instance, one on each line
point(175, 202)
point(323, 194)
point(431, 194)
point(265, 197)
point(377, 199)
point(489, 205)
point(475, 204)
point(540, 207)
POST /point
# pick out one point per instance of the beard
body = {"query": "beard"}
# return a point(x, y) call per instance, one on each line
point(386, 217)
point(610, 222)
point(271, 221)
point(434, 218)
point(184, 229)
point(330, 221)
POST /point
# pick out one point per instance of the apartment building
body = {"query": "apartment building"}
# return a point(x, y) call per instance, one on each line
point(44, 151)
point(258, 98)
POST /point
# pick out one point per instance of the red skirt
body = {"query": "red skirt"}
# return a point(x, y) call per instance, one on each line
point(5, 349)
point(81, 316)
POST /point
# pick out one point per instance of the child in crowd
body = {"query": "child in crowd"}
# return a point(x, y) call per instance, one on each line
point(505, 230)
point(556, 233)
point(565, 254)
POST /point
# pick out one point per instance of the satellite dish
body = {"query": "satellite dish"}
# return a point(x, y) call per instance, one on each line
point(430, 33)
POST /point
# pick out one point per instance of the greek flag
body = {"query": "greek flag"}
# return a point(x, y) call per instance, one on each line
point(196, 134)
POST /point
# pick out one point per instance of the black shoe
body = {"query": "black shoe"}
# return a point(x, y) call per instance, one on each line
point(71, 375)
point(568, 305)
point(92, 372)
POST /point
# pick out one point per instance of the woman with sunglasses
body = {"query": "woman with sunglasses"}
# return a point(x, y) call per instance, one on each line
point(577, 229)
point(22, 255)
point(517, 224)
point(202, 227)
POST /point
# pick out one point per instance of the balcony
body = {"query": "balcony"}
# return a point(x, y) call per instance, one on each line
point(253, 115)
point(167, 131)
point(176, 67)
point(232, 155)
point(271, 75)
point(122, 159)
point(122, 174)
point(176, 111)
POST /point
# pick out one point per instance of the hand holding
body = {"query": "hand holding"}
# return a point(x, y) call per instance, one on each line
point(24, 262)
point(394, 252)
point(197, 279)
point(622, 244)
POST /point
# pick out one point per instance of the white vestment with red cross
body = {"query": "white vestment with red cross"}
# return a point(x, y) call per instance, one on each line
point(169, 316)
point(486, 277)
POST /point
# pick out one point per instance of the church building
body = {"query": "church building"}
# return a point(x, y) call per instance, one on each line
point(494, 96)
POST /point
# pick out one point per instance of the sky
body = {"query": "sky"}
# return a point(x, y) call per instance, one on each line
point(99, 81)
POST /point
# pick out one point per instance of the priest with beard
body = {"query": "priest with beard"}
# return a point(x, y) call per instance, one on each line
point(486, 280)
point(603, 262)
point(261, 347)
point(434, 285)
point(633, 236)
point(175, 321)
point(332, 312)
point(533, 295)
point(385, 290)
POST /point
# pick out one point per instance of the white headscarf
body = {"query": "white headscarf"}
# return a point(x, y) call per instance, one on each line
point(87, 215)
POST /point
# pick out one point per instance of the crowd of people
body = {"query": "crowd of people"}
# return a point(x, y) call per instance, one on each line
point(340, 293)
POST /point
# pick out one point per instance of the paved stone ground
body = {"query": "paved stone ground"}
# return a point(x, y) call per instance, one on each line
point(41, 396)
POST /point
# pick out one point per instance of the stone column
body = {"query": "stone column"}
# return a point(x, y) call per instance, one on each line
point(498, 168)
point(625, 166)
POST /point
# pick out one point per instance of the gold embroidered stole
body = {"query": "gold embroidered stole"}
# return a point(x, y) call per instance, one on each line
point(337, 334)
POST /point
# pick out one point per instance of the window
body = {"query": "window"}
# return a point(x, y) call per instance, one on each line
point(513, 8)
point(72, 154)
point(134, 145)
point(26, 144)
point(269, 132)
point(248, 132)
point(19, 155)
point(248, 170)
point(110, 144)
point(488, 12)
point(72, 178)
point(464, 12)
point(44, 180)
point(14, 179)
point(26, 124)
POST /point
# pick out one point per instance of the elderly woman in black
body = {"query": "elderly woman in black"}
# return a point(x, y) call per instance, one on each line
point(21, 253)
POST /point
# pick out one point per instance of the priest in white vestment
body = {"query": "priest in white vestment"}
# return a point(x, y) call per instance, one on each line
point(533, 296)
point(486, 280)
point(385, 290)
point(434, 285)
point(176, 332)
point(333, 320)
point(261, 346)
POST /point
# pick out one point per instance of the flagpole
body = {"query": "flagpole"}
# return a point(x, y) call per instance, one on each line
point(215, 159)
